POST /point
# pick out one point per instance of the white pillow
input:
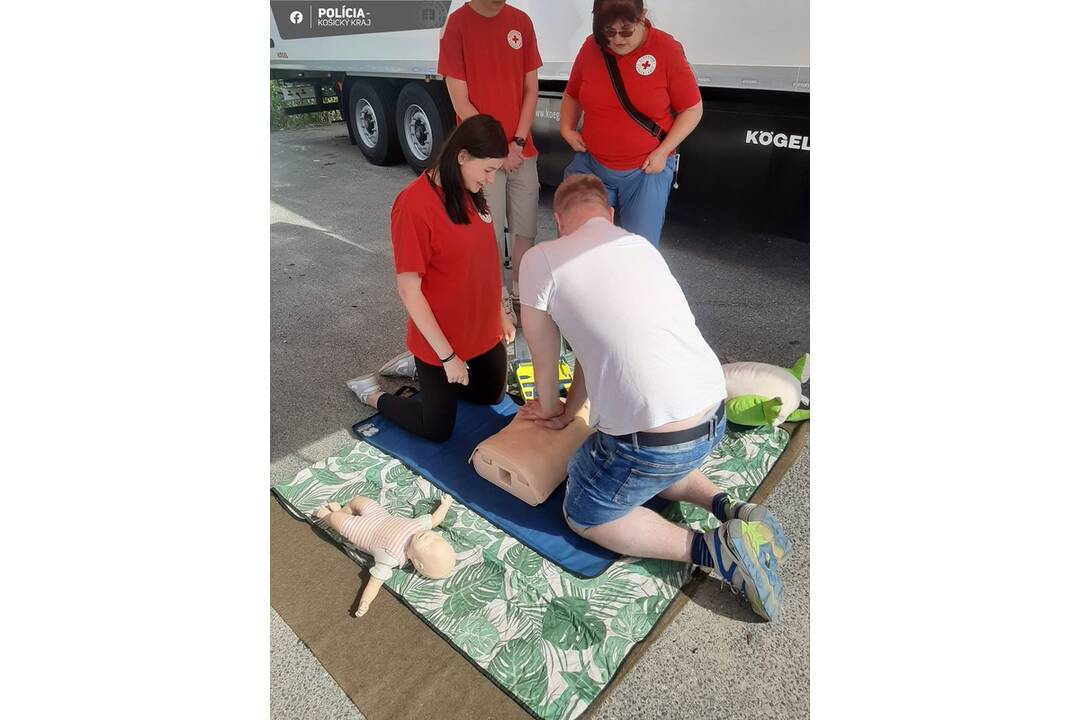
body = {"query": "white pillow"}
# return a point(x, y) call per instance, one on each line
point(754, 378)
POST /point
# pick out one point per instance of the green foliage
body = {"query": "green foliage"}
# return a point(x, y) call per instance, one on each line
point(326, 477)
point(462, 539)
point(280, 121)
point(398, 499)
point(523, 560)
point(634, 621)
point(526, 611)
point(612, 593)
point(471, 588)
point(368, 489)
point(611, 654)
point(584, 686)
point(477, 635)
point(419, 591)
point(519, 665)
point(348, 463)
point(569, 624)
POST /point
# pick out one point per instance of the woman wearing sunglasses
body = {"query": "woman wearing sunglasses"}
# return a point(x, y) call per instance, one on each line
point(633, 157)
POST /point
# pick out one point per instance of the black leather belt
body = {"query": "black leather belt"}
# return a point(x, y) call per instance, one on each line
point(660, 439)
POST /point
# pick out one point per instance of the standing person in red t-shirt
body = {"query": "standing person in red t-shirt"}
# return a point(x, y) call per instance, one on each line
point(635, 166)
point(489, 58)
point(448, 279)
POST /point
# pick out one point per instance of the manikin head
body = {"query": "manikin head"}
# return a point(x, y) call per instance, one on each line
point(430, 554)
point(578, 199)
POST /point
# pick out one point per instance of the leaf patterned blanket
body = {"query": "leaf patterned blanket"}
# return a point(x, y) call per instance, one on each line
point(550, 640)
point(541, 528)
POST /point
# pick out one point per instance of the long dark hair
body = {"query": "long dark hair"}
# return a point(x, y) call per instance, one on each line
point(482, 137)
point(606, 12)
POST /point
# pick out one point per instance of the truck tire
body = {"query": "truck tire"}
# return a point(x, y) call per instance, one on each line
point(371, 121)
point(424, 120)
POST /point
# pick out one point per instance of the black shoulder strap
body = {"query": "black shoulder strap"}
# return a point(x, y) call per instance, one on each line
point(620, 90)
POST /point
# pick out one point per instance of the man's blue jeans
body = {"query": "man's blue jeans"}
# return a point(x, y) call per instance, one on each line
point(608, 478)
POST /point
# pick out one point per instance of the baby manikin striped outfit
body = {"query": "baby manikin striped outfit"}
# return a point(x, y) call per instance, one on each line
point(384, 536)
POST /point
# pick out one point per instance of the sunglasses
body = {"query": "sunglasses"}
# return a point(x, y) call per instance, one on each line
point(609, 33)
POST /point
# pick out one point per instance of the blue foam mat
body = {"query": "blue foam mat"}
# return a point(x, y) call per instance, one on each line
point(446, 465)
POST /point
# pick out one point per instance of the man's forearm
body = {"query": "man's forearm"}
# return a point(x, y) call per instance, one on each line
point(545, 359)
point(528, 105)
point(542, 336)
point(459, 98)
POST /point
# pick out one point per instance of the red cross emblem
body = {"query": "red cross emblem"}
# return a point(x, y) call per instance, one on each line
point(513, 38)
point(645, 65)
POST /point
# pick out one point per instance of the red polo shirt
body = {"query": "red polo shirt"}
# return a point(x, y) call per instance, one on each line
point(492, 55)
point(458, 267)
point(659, 82)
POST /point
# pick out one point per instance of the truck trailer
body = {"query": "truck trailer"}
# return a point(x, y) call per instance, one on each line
point(746, 165)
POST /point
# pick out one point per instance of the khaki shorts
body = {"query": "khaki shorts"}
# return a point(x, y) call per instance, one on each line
point(513, 198)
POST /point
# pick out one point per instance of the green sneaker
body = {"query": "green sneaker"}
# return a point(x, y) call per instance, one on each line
point(727, 508)
point(742, 555)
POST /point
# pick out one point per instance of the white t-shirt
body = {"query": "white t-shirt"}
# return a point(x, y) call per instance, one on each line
point(615, 300)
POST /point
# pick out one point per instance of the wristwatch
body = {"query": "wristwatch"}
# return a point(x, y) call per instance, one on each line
point(519, 141)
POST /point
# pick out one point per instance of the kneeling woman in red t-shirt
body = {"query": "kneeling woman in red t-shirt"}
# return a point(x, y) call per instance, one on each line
point(447, 265)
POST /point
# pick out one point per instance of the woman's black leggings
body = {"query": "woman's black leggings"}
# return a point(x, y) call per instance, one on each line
point(432, 415)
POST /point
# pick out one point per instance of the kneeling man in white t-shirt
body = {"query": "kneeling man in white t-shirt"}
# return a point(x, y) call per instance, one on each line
point(656, 392)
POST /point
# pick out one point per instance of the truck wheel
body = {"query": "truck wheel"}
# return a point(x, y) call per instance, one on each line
point(371, 122)
point(425, 118)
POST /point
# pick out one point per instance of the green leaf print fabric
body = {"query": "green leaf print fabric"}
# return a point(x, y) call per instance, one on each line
point(549, 639)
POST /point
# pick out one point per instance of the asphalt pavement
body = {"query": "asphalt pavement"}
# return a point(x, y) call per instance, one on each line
point(334, 315)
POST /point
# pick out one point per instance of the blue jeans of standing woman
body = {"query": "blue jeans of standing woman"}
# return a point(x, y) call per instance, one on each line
point(640, 198)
